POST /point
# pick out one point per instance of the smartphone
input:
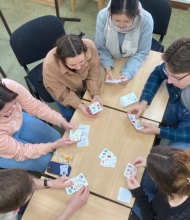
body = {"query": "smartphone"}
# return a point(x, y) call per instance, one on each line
point(54, 168)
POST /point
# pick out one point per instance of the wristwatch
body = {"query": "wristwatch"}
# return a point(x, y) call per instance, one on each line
point(45, 182)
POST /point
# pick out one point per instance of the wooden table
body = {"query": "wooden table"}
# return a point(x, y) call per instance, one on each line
point(113, 130)
point(47, 204)
point(111, 94)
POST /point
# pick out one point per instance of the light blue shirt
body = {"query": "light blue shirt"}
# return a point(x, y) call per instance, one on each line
point(134, 62)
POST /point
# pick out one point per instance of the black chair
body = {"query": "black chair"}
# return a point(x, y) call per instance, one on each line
point(161, 11)
point(31, 42)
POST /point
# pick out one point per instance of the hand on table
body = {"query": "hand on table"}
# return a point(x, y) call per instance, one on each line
point(62, 142)
point(132, 183)
point(138, 109)
point(124, 82)
point(97, 98)
point(59, 182)
point(68, 126)
point(149, 128)
point(85, 111)
point(140, 162)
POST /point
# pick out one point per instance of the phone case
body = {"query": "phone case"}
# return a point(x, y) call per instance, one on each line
point(54, 168)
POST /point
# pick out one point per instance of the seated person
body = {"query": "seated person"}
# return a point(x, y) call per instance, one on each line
point(123, 29)
point(169, 167)
point(176, 71)
point(17, 187)
point(68, 69)
point(25, 141)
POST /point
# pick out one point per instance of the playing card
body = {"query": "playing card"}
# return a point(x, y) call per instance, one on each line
point(128, 99)
point(83, 141)
point(135, 122)
point(105, 153)
point(64, 169)
point(130, 170)
point(75, 135)
point(84, 127)
point(76, 183)
point(115, 81)
point(138, 126)
point(124, 195)
point(95, 107)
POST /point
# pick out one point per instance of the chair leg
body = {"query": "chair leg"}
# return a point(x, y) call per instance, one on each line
point(100, 4)
point(5, 23)
point(73, 6)
point(3, 73)
point(62, 18)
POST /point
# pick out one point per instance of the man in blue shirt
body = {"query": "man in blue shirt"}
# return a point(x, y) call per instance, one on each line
point(176, 70)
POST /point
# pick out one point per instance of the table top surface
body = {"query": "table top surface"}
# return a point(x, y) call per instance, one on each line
point(111, 94)
point(112, 130)
point(47, 204)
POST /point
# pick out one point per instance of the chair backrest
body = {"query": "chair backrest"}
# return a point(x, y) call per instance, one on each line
point(33, 40)
point(161, 11)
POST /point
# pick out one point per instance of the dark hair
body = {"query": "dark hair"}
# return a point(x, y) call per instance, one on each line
point(15, 186)
point(6, 95)
point(177, 56)
point(128, 7)
point(170, 168)
point(69, 46)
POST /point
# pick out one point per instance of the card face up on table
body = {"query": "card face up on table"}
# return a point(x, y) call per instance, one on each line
point(128, 99)
point(85, 129)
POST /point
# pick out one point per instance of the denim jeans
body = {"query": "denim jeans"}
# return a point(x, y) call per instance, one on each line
point(177, 114)
point(33, 131)
point(149, 188)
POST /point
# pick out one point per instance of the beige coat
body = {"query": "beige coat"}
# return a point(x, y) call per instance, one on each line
point(64, 85)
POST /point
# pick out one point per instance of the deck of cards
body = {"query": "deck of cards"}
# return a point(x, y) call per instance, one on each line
point(84, 135)
point(135, 122)
point(115, 81)
point(128, 99)
point(75, 184)
point(95, 107)
point(107, 158)
point(130, 170)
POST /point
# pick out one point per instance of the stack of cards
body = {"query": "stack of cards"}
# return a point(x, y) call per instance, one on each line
point(135, 122)
point(107, 158)
point(128, 99)
point(115, 81)
point(130, 170)
point(75, 135)
point(84, 135)
point(95, 107)
point(75, 184)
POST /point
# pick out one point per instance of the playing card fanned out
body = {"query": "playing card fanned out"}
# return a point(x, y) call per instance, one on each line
point(116, 81)
point(95, 107)
point(128, 99)
point(74, 135)
point(84, 135)
point(107, 158)
point(75, 184)
point(130, 170)
point(135, 122)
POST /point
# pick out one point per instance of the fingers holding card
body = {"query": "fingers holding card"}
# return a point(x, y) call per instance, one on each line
point(135, 122)
point(95, 108)
point(130, 170)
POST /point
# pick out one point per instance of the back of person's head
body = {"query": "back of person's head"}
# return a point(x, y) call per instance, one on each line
point(15, 187)
point(128, 7)
point(177, 56)
point(170, 169)
point(69, 46)
point(6, 95)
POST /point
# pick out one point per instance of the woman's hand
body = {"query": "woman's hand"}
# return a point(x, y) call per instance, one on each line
point(97, 98)
point(124, 78)
point(68, 126)
point(140, 162)
point(132, 183)
point(62, 142)
point(85, 111)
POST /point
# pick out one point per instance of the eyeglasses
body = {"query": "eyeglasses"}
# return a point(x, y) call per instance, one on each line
point(173, 78)
point(125, 23)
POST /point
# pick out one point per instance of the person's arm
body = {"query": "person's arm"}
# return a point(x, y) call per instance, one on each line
point(12, 149)
point(33, 106)
point(134, 62)
point(106, 59)
point(153, 83)
point(78, 200)
point(175, 134)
